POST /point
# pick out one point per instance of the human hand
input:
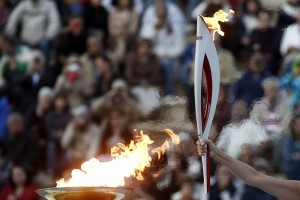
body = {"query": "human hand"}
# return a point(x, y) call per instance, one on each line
point(202, 147)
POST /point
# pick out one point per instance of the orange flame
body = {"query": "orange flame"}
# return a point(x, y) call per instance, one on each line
point(213, 22)
point(128, 161)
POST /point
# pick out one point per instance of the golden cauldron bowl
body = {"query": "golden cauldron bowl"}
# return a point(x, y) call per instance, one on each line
point(85, 193)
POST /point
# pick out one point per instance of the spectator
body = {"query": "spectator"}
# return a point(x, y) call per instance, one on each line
point(55, 123)
point(117, 129)
point(287, 13)
point(168, 44)
point(4, 109)
point(71, 41)
point(241, 136)
point(224, 186)
point(81, 137)
point(265, 39)
point(96, 16)
point(34, 80)
point(4, 13)
point(142, 67)
point(123, 20)
point(175, 16)
point(94, 49)
point(248, 88)
point(143, 74)
point(118, 96)
point(104, 75)
point(187, 191)
point(123, 24)
point(74, 83)
point(291, 81)
point(40, 23)
point(291, 150)
point(20, 186)
point(249, 19)
point(14, 60)
point(26, 150)
point(35, 118)
point(273, 110)
point(290, 41)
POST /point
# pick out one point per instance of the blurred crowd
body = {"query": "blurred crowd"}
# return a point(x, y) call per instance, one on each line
point(77, 76)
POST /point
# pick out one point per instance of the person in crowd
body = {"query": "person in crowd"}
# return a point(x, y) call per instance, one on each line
point(104, 75)
point(26, 150)
point(249, 19)
point(95, 47)
point(14, 60)
point(273, 110)
point(290, 41)
point(20, 186)
point(142, 72)
point(72, 40)
point(34, 79)
point(248, 88)
point(123, 24)
point(265, 39)
point(291, 150)
point(287, 13)
point(96, 16)
point(224, 186)
point(187, 191)
point(116, 129)
point(55, 123)
point(241, 136)
point(4, 109)
point(168, 45)
point(40, 23)
point(35, 118)
point(119, 95)
point(81, 138)
point(123, 19)
point(282, 189)
point(142, 66)
point(74, 83)
point(175, 16)
point(291, 81)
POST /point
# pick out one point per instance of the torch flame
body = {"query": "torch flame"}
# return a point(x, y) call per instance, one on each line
point(128, 161)
point(213, 22)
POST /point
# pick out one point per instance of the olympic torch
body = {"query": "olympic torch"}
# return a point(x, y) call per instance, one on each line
point(207, 65)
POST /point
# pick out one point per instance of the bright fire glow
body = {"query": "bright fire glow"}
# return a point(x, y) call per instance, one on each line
point(128, 161)
point(213, 22)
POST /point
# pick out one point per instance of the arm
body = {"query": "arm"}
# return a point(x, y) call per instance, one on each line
point(282, 189)
point(14, 19)
point(53, 24)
